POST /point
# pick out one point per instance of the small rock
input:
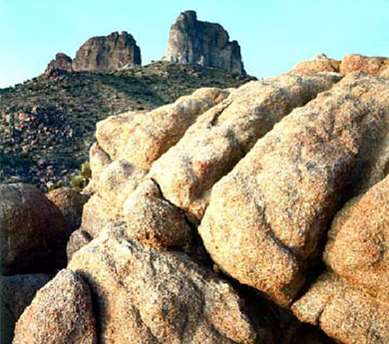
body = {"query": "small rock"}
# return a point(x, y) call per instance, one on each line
point(61, 313)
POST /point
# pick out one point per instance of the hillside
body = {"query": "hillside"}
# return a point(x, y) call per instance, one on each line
point(47, 124)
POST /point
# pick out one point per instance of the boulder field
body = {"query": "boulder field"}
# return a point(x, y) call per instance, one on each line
point(239, 216)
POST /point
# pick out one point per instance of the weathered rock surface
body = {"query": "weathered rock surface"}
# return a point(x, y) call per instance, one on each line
point(97, 213)
point(70, 203)
point(224, 134)
point(320, 63)
point(207, 44)
point(344, 312)
point(16, 293)
point(98, 160)
point(116, 182)
point(61, 64)
point(61, 313)
point(357, 247)
point(267, 216)
point(107, 53)
point(153, 221)
point(32, 229)
point(147, 296)
point(142, 137)
point(127, 146)
point(371, 65)
point(350, 301)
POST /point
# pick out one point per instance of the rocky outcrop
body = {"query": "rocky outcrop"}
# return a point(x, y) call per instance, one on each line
point(61, 64)
point(320, 63)
point(70, 203)
point(351, 302)
point(223, 135)
point(222, 125)
point(142, 137)
point(207, 44)
point(147, 296)
point(127, 146)
point(371, 65)
point(16, 293)
point(269, 164)
point(107, 53)
point(267, 217)
point(33, 231)
point(61, 313)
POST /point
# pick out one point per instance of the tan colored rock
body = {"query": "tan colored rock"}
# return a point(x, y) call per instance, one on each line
point(118, 181)
point(267, 216)
point(141, 138)
point(223, 135)
point(153, 221)
point(98, 160)
point(33, 232)
point(371, 65)
point(320, 63)
point(147, 296)
point(61, 313)
point(70, 203)
point(16, 293)
point(97, 213)
point(357, 247)
point(343, 312)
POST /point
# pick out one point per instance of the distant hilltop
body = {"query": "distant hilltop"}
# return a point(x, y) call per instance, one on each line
point(190, 42)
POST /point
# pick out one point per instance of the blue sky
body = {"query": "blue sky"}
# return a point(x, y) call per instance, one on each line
point(274, 35)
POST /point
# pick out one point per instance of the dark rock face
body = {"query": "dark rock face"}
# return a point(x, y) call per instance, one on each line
point(16, 293)
point(33, 233)
point(195, 42)
point(107, 53)
point(61, 64)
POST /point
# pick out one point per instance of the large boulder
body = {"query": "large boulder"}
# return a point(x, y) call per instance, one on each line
point(32, 229)
point(70, 203)
point(351, 302)
point(267, 217)
point(61, 313)
point(207, 44)
point(372, 65)
point(344, 312)
point(127, 146)
point(358, 242)
point(107, 53)
point(224, 134)
point(153, 221)
point(142, 137)
point(320, 63)
point(16, 293)
point(148, 296)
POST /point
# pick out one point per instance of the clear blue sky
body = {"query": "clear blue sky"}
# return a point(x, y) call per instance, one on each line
point(274, 34)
